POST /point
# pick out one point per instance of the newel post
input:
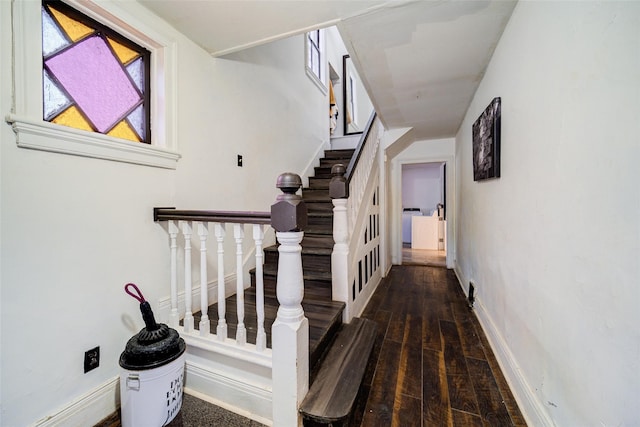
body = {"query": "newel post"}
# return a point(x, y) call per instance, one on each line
point(290, 331)
point(339, 193)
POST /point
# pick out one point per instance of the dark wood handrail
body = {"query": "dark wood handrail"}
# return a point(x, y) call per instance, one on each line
point(356, 155)
point(238, 217)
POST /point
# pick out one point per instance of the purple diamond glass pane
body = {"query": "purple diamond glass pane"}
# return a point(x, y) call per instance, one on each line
point(93, 77)
point(136, 120)
point(52, 37)
point(136, 72)
point(54, 99)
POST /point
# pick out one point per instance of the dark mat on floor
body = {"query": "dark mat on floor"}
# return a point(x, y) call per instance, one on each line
point(196, 413)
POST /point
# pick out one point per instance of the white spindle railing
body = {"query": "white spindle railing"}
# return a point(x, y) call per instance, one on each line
point(174, 317)
point(181, 316)
point(361, 173)
point(221, 330)
point(258, 237)
point(188, 315)
point(204, 326)
point(355, 260)
point(241, 331)
point(288, 362)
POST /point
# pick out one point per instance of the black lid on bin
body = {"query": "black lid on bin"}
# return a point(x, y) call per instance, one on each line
point(155, 345)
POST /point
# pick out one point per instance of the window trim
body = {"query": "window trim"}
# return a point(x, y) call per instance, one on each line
point(319, 81)
point(104, 33)
point(33, 132)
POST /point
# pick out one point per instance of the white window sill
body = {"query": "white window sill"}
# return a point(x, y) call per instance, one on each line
point(316, 81)
point(39, 135)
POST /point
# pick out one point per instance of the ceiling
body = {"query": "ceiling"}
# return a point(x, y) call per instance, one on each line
point(421, 61)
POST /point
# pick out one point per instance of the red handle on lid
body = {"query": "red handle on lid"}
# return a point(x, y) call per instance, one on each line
point(139, 297)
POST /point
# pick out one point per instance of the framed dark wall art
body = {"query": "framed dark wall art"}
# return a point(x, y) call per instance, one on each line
point(486, 143)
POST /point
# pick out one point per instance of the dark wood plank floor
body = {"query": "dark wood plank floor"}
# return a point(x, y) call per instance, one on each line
point(431, 363)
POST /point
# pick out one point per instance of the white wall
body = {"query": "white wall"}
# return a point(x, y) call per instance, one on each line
point(75, 230)
point(258, 103)
point(553, 245)
point(364, 107)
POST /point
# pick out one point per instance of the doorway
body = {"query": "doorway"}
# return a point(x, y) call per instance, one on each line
point(424, 204)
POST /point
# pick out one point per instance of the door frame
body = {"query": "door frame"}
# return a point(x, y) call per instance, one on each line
point(396, 204)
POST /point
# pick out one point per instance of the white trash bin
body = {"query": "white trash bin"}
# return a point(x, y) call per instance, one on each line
point(152, 374)
point(151, 397)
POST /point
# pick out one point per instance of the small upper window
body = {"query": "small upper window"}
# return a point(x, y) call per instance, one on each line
point(94, 79)
point(315, 61)
point(314, 58)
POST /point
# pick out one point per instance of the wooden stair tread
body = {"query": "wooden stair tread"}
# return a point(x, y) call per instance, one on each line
point(322, 198)
point(321, 214)
point(315, 229)
point(322, 316)
point(344, 153)
point(333, 393)
point(271, 270)
point(305, 250)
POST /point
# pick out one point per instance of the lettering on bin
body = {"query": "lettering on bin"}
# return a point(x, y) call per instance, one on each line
point(174, 396)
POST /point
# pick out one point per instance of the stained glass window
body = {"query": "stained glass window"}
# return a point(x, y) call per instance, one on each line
point(93, 78)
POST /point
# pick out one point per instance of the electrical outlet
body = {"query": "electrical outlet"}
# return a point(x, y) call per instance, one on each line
point(471, 298)
point(239, 160)
point(91, 359)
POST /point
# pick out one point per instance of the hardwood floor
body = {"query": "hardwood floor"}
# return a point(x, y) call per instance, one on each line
point(433, 258)
point(432, 365)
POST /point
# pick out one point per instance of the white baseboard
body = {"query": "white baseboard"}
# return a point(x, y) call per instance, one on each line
point(215, 387)
point(88, 409)
point(531, 408)
point(102, 401)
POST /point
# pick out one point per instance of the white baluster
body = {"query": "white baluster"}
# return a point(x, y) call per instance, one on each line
point(241, 332)
point(204, 325)
point(290, 334)
point(340, 257)
point(221, 330)
point(174, 317)
point(258, 237)
point(188, 316)
point(290, 331)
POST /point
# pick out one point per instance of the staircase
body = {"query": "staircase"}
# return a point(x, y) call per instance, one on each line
point(325, 403)
point(324, 314)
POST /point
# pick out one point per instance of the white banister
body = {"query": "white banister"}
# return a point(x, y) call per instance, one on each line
point(241, 332)
point(204, 326)
point(290, 290)
point(258, 237)
point(174, 316)
point(182, 305)
point(188, 315)
point(340, 254)
point(360, 175)
point(355, 259)
point(290, 331)
point(290, 334)
point(221, 330)
point(275, 380)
